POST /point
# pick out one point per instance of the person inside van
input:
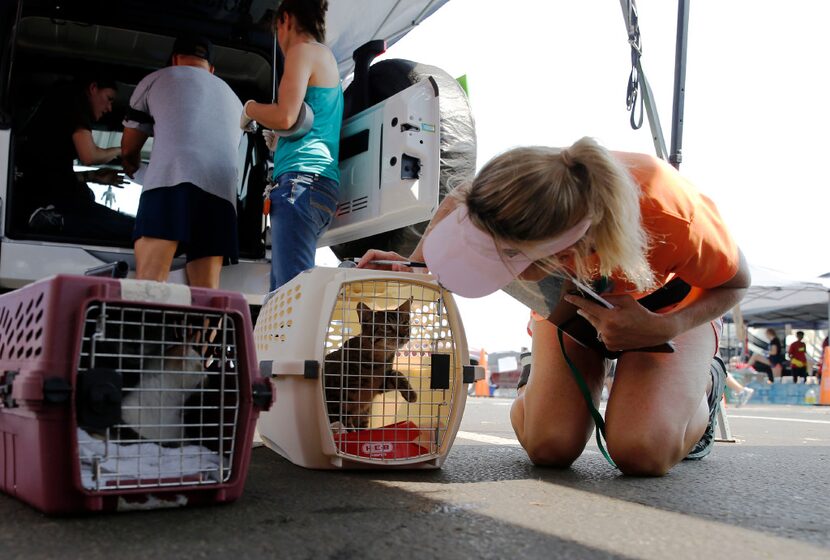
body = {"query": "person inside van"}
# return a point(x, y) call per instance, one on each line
point(55, 198)
point(304, 197)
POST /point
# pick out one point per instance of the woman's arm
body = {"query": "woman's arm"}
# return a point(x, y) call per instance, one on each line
point(629, 325)
point(293, 85)
point(713, 303)
point(132, 142)
point(88, 152)
point(444, 209)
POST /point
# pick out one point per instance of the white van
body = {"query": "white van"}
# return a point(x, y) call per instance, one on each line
point(407, 136)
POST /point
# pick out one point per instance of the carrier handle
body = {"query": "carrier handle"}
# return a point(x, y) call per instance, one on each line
point(309, 369)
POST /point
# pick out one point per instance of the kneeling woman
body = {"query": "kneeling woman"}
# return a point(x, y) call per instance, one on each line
point(625, 223)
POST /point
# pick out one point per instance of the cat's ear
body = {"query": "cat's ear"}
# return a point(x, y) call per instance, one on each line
point(364, 312)
point(404, 308)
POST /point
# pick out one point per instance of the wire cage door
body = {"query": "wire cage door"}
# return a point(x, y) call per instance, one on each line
point(158, 397)
point(390, 371)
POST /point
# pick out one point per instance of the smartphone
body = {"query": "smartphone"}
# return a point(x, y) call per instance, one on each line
point(591, 294)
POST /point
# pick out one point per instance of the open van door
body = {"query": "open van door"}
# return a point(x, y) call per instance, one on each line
point(9, 14)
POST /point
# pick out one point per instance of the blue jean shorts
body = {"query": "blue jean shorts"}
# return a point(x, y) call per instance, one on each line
point(302, 208)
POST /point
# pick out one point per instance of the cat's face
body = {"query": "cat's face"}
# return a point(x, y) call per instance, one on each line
point(386, 330)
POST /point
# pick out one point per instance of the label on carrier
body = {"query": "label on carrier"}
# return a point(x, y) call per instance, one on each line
point(156, 292)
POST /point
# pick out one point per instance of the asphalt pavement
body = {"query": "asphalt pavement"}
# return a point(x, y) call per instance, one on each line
point(765, 496)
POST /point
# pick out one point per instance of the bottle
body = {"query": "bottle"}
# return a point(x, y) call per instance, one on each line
point(811, 396)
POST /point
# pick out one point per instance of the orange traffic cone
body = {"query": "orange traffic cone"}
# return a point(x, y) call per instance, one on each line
point(483, 385)
point(824, 390)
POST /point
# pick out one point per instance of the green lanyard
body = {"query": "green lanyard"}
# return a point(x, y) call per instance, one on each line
point(586, 394)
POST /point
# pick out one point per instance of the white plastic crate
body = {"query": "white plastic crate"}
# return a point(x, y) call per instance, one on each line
point(338, 404)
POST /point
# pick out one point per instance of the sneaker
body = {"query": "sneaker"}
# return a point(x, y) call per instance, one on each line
point(524, 361)
point(46, 219)
point(605, 394)
point(745, 395)
point(703, 447)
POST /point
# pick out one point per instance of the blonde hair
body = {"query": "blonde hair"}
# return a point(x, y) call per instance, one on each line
point(534, 193)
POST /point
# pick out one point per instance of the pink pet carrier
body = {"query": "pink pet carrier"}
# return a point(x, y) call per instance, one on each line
point(124, 394)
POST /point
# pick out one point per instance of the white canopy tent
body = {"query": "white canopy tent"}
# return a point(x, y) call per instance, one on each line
point(354, 22)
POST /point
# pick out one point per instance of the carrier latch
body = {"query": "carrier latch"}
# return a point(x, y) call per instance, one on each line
point(56, 390)
point(263, 396)
point(6, 389)
point(99, 398)
point(439, 375)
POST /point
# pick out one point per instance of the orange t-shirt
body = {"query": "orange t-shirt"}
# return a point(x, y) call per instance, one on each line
point(687, 236)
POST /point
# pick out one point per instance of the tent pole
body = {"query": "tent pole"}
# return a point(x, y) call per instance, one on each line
point(676, 153)
point(740, 327)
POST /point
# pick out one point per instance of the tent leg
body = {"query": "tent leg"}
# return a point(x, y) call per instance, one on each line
point(723, 425)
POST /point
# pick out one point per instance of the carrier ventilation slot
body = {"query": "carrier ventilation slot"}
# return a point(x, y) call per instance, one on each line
point(21, 329)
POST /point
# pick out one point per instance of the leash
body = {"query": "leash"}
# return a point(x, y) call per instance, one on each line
point(599, 422)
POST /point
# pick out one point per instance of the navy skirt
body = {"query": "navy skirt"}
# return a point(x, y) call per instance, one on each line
point(203, 223)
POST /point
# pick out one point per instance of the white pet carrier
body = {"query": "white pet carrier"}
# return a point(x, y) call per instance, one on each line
point(339, 403)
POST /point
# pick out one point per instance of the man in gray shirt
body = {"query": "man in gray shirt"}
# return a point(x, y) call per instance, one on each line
point(188, 203)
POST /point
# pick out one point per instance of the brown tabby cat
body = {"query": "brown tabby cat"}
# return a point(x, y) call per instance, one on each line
point(362, 369)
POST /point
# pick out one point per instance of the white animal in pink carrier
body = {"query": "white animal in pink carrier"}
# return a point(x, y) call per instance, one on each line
point(368, 369)
point(124, 394)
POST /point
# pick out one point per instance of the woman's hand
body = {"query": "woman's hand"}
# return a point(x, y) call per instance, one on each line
point(270, 139)
point(246, 122)
point(626, 326)
point(107, 176)
point(377, 255)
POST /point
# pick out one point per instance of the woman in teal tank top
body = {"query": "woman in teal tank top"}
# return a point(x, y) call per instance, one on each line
point(306, 177)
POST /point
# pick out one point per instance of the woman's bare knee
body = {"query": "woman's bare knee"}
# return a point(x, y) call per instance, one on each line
point(558, 450)
point(549, 456)
point(649, 452)
point(544, 446)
